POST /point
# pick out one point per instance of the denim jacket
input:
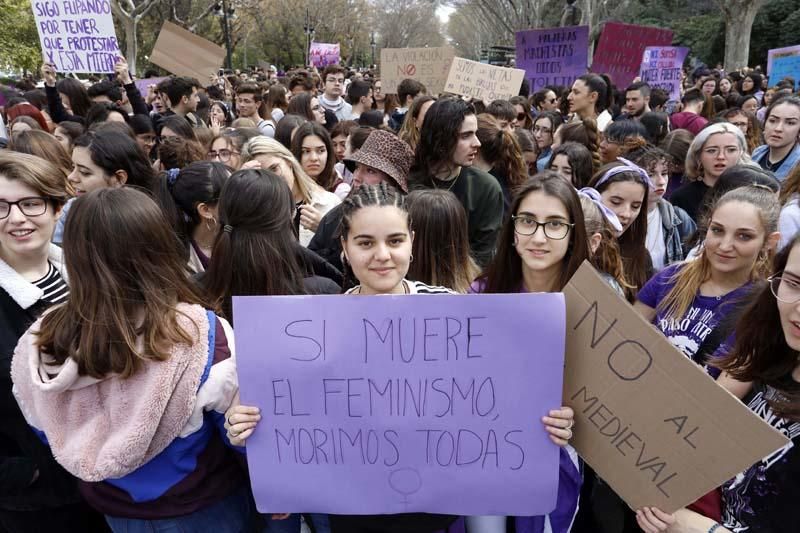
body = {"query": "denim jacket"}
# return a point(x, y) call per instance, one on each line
point(782, 171)
point(677, 226)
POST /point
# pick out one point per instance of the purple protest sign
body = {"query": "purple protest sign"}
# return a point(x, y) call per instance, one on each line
point(77, 36)
point(323, 54)
point(553, 56)
point(144, 83)
point(391, 404)
point(662, 67)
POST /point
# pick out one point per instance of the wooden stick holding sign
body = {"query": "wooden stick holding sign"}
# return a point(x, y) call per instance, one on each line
point(650, 422)
point(483, 82)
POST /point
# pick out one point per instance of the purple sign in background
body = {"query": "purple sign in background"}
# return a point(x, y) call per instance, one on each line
point(661, 68)
point(553, 56)
point(143, 84)
point(391, 404)
point(323, 54)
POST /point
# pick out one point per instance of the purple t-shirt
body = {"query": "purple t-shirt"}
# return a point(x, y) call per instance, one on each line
point(688, 332)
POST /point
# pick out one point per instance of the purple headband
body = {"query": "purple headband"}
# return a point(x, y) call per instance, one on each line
point(608, 214)
point(627, 166)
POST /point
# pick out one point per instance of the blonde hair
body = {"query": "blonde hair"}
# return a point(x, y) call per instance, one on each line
point(263, 145)
point(607, 257)
point(688, 279)
point(694, 169)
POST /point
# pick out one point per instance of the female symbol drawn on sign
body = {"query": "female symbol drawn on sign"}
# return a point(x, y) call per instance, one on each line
point(405, 481)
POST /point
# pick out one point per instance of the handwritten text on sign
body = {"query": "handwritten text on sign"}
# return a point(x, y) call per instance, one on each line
point(553, 56)
point(414, 403)
point(651, 422)
point(482, 81)
point(77, 35)
point(661, 68)
point(429, 66)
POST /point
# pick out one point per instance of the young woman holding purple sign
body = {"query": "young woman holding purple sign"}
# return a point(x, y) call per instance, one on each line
point(377, 241)
point(763, 370)
point(530, 260)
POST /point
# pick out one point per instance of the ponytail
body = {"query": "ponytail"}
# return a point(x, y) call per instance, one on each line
point(593, 142)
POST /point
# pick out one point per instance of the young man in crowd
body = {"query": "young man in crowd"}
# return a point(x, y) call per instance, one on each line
point(407, 90)
point(689, 118)
point(331, 99)
point(446, 151)
point(637, 100)
point(248, 102)
point(505, 113)
point(182, 98)
point(359, 94)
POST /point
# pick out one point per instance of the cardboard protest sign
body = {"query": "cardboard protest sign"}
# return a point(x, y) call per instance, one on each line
point(410, 404)
point(619, 51)
point(482, 81)
point(77, 36)
point(780, 52)
point(429, 66)
point(785, 66)
point(661, 68)
point(183, 53)
point(650, 421)
point(553, 56)
point(323, 54)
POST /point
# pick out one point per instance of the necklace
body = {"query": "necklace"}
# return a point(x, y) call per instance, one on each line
point(449, 187)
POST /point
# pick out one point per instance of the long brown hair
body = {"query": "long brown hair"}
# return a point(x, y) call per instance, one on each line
point(441, 243)
point(504, 273)
point(409, 132)
point(761, 353)
point(631, 243)
point(127, 277)
point(256, 253)
point(688, 279)
point(500, 149)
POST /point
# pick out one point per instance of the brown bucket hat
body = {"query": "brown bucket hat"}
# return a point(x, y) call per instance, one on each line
point(386, 152)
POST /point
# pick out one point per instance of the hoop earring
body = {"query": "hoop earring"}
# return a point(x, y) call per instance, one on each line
point(209, 228)
point(411, 258)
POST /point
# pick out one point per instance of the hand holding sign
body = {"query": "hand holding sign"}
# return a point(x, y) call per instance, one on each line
point(49, 74)
point(121, 69)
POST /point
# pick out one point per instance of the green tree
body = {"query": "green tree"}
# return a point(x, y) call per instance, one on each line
point(19, 40)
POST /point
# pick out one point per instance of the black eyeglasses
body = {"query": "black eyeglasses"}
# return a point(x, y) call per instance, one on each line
point(33, 206)
point(521, 117)
point(553, 229)
point(223, 155)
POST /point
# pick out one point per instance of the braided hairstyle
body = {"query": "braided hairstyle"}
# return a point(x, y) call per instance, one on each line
point(380, 195)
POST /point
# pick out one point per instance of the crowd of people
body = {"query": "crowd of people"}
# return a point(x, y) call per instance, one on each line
point(129, 221)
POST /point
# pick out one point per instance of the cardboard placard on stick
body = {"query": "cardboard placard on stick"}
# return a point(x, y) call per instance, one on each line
point(183, 53)
point(482, 81)
point(429, 66)
point(650, 421)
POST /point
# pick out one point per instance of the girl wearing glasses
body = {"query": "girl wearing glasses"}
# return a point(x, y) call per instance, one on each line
point(687, 301)
point(624, 188)
point(540, 247)
point(32, 278)
point(715, 149)
point(763, 370)
point(544, 127)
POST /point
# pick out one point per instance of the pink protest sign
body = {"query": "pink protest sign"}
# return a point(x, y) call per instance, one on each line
point(620, 49)
point(323, 54)
point(392, 404)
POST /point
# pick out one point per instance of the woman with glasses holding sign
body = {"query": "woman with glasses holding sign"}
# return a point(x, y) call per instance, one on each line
point(540, 247)
point(36, 494)
point(377, 237)
point(764, 371)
